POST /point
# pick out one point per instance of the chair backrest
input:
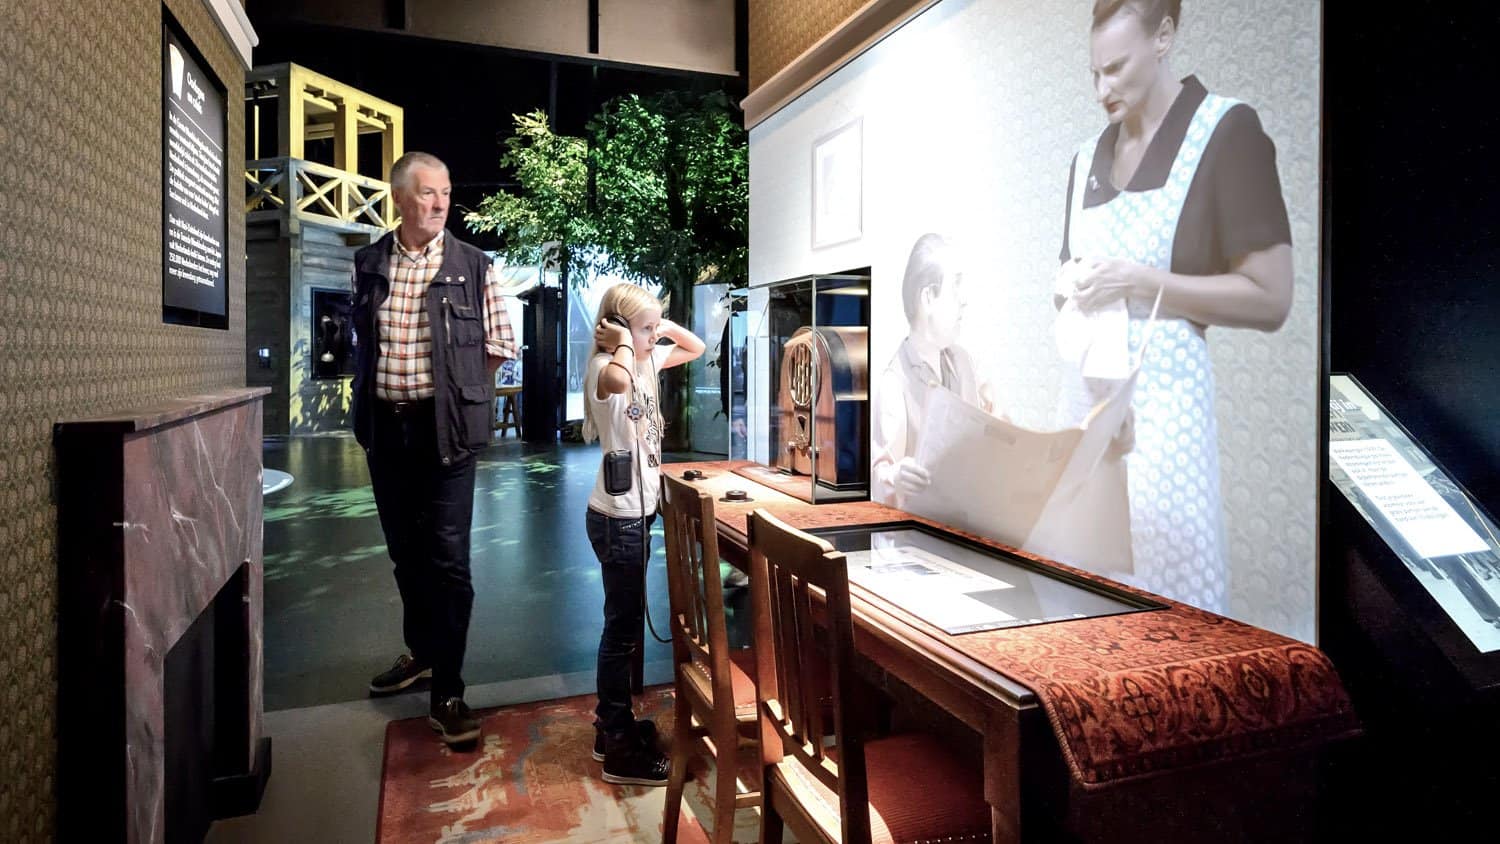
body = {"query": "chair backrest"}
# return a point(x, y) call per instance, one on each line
point(791, 626)
point(694, 587)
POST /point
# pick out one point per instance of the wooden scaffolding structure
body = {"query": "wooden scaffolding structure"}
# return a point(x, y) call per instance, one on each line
point(308, 106)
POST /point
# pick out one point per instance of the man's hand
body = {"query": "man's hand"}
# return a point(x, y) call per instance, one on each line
point(910, 477)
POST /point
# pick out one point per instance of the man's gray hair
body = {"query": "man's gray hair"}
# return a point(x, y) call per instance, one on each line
point(401, 170)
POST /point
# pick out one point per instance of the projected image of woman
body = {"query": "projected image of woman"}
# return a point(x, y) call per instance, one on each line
point(1178, 194)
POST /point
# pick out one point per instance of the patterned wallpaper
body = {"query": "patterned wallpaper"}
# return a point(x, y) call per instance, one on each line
point(970, 116)
point(80, 309)
point(781, 29)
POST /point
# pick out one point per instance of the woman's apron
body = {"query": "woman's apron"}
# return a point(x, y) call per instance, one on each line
point(1176, 521)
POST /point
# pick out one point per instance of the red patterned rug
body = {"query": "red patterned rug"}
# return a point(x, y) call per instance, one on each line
point(530, 780)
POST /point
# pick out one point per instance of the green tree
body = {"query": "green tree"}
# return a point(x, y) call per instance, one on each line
point(671, 204)
point(658, 192)
point(546, 218)
point(672, 188)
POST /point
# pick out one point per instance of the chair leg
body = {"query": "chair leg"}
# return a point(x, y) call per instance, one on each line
point(682, 748)
point(724, 785)
point(771, 825)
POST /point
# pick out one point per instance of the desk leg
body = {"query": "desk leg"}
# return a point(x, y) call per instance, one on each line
point(1002, 776)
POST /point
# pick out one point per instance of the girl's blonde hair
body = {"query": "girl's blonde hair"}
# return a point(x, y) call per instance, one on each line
point(627, 300)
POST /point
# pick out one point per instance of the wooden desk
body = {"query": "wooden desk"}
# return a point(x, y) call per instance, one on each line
point(1031, 778)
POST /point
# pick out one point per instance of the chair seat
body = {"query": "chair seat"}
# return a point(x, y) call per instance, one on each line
point(741, 670)
point(918, 792)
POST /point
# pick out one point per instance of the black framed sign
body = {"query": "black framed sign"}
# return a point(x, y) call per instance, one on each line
point(195, 187)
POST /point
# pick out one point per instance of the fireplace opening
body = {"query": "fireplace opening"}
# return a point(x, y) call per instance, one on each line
point(206, 703)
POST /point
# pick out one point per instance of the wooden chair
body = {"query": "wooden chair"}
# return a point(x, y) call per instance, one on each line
point(715, 705)
point(900, 788)
point(507, 418)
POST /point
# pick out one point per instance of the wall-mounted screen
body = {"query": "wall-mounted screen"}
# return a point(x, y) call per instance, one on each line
point(333, 354)
point(1032, 174)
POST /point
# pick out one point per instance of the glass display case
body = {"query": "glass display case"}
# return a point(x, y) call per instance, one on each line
point(1409, 605)
point(739, 303)
point(806, 353)
point(1441, 533)
point(962, 586)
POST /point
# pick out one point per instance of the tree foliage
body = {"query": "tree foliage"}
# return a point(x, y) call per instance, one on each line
point(672, 188)
point(657, 191)
point(547, 217)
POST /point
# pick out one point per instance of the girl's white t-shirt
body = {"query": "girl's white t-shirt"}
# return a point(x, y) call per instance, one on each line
point(628, 421)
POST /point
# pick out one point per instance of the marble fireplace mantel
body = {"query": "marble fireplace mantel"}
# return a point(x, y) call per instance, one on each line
point(159, 520)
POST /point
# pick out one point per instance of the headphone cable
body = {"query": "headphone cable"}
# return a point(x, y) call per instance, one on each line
point(640, 471)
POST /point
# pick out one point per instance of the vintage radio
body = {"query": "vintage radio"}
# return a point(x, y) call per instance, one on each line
point(805, 361)
point(824, 387)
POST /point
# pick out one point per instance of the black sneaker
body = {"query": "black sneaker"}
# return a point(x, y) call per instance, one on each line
point(453, 719)
point(645, 734)
point(402, 673)
point(627, 762)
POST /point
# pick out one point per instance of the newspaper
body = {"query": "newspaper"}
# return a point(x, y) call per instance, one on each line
point(928, 586)
point(1060, 494)
point(990, 476)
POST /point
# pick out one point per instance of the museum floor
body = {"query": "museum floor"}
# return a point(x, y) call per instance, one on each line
point(332, 619)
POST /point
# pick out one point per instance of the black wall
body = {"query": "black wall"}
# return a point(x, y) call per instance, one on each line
point(1411, 247)
point(459, 98)
point(1413, 228)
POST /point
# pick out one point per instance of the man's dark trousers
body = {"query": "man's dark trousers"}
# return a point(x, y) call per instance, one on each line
point(426, 509)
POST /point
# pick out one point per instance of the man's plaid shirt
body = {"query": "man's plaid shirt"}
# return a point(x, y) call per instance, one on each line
point(403, 370)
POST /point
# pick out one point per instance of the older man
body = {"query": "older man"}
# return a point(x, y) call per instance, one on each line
point(929, 358)
point(431, 329)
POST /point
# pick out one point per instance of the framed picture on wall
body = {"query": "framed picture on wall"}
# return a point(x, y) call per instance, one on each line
point(838, 185)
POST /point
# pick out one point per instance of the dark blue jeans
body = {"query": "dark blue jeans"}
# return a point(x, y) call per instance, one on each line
point(426, 510)
point(621, 546)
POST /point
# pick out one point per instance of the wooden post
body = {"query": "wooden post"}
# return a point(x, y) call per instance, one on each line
point(293, 187)
point(345, 149)
point(346, 137)
point(291, 127)
point(391, 148)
